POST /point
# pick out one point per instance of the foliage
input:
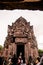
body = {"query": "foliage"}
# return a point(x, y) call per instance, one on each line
point(1, 47)
point(40, 51)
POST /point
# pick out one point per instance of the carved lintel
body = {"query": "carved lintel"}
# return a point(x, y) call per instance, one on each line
point(21, 40)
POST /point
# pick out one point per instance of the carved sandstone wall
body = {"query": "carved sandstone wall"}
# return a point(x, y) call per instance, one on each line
point(21, 33)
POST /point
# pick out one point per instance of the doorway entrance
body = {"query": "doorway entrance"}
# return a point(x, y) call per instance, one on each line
point(20, 49)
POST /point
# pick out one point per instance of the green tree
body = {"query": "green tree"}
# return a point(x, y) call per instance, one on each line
point(1, 47)
point(40, 52)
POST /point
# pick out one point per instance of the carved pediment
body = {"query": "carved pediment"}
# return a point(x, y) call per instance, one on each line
point(20, 23)
point(19, 27)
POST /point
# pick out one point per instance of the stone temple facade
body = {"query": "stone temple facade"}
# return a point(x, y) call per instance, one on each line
point(20, 39)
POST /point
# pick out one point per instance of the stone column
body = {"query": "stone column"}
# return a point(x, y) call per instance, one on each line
point(35, 52)
point(10, 50)
point(5, 53)
point(32, 52)
point(14, 47)
point(29, 48)
point(26, 53)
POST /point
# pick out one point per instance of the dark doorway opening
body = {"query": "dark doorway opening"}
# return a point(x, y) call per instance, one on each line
point(20, 49)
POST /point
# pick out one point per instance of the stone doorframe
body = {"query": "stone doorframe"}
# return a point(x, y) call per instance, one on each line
point(22, 41)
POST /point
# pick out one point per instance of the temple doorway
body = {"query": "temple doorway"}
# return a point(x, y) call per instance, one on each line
point(20, 49)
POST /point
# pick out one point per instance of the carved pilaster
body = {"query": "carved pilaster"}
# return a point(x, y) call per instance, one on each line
point(14, 48)
point(26, 53)
point(35, 52)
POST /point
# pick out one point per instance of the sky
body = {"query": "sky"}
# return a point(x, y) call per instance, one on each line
point(35, 17)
